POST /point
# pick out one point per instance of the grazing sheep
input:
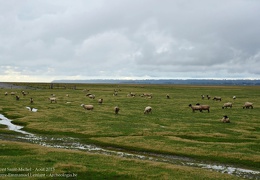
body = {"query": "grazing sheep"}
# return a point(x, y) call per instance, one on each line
point(234, 97)
point(225, 119)
point(247, 105)
point(228, 104)
point(6, 93)
point(217, 98)
point(147, 110)
point(13, 93)
point(167, 96)
point(115, 94)
point(116, 109)
point(204, 107)
point(91, 96)
point(87, 107)
point(202, 96)
point(53, 99)
point(100, 101)
point(17, 98)
point(208, 97)
point(25, 93)
point(31, 100)
point(195, 108)
point(67, 95)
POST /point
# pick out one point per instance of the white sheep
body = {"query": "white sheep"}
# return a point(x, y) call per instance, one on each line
point(87, 106)
point(91, 96)
point(234, 97)
point(208, 97)
point(116, 109)
point(217, 98)
point(148, 110)
point(6, 93)
point(53, 99)
point(247, 105)
point(226, 105)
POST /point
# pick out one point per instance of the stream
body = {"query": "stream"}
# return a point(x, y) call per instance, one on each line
point(73, 143)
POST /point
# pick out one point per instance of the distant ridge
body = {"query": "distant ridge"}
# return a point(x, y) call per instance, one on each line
point(165, 81)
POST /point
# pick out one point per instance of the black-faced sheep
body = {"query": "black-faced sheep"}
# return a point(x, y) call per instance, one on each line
point(226, 105)
point(217, 98)
point(247, 105)
point(87, 107)
point(31, 100)
point(204, 107)
point(167, 96)
point(208, 97)
point(17, 98)
point(148, 110)
point(202, 96)
point(100, 101)
point(225, 119)
point(195, 108)
point(116, 109)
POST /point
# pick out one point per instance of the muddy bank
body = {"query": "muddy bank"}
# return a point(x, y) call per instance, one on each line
point(74, 143)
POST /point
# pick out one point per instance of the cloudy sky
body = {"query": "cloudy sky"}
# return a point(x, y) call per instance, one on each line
point(45, 40)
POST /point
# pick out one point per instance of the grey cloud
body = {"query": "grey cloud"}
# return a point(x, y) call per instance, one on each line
point(82, 39)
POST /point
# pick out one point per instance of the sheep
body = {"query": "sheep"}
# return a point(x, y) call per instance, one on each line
point(228, 104)
point(6, 93)
point(148, 110)
point(116, 109)
point(53, 99)
point(247, 105)
point(202, 96)
point(17, 98)
point(195, 108)
point(91, 96)
point(25, 93)
point(87, 107)
point(234, 97)
point(31, 100)
point(13, 93)
point(199, 107)
point(167, 96)
point(100, 101)
point(204, 107)
point(217, 98)
point(208, 97)
point(225, 119)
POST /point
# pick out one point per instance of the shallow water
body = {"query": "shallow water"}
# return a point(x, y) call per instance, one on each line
point(73, 143)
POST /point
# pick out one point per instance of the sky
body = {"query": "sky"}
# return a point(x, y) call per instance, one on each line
point(42, 41)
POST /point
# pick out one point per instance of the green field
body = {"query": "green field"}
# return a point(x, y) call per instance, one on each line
point(172, 128)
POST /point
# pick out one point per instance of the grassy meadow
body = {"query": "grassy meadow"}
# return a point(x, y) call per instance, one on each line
point(171, 128)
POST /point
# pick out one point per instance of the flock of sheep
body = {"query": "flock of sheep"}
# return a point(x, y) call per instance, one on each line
point(225, 118)
point(148, 109)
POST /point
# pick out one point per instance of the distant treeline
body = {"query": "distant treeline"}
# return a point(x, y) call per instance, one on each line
point(165, 81)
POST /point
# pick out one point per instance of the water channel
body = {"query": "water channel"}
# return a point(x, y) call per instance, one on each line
point(73, 143)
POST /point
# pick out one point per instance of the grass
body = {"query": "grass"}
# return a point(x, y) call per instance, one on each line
point(172, 128)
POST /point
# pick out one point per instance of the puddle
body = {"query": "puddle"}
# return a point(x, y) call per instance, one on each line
point(73, 143)
point(11, 126)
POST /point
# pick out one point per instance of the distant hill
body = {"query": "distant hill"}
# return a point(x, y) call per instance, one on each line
point(165, 81)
